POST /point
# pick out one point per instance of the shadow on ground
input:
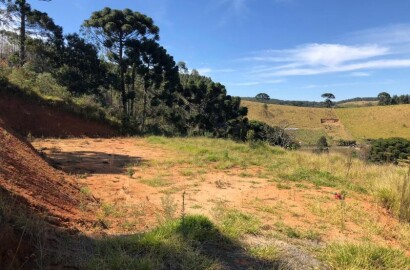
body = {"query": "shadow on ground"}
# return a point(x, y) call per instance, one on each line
point(82, 162)
point(194, 243)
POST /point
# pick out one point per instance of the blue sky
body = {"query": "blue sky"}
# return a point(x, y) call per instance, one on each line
point(290, 49)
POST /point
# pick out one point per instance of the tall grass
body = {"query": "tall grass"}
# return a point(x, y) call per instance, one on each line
point(364, 257)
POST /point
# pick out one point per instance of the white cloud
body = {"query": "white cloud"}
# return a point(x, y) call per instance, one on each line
point(390, 34)
point(335, 54)
point(360, 74)
point(379, 64)
point(207, 71)
point(253, 83)
point(315, 59)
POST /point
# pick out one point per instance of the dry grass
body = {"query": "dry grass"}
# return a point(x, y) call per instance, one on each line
point(299, 117)
point(360, 122)
point(377, 122)
point(307, 120)
point(357, 104)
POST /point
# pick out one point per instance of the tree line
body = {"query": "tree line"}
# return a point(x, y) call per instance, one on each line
point(117, 62)
point(385, 98)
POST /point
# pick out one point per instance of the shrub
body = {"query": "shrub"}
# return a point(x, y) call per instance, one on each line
point(272, 135)
point(322, 145)
point(389, 150)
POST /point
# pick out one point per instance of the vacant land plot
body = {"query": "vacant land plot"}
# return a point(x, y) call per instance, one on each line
point(247, 190)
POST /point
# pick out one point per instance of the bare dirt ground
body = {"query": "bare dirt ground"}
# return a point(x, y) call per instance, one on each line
point(133, 178)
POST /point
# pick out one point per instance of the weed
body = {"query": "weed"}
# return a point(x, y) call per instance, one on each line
point(268, 252)
point(283, 186)
point(364, 256)
point(130, 171)
point(86, 191)
point(287, 230)
point(169, 207)
point(234, 223)
point(156, 182)
point(222, 184)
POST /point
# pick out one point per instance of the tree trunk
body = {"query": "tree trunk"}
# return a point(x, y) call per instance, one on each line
point(23, 15)
point(122, 78)
point(144, 111)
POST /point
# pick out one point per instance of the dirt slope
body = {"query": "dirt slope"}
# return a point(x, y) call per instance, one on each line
point(26, 175)
point(28, 116)
point(30, 189)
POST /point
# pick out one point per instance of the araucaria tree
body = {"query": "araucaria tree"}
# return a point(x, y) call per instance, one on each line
point(328, 99)
point(19, 12)
point(117, 30)
point(262, 97)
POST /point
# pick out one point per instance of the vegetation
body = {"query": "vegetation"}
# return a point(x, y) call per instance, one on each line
point(385, 99)
point(322, 145)
point(262, 97)
point(389, 150)
point(328, 99)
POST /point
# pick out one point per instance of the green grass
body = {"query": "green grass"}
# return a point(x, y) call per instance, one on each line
point(364, 256)
point(218, 153)
point(189, 244)
point(235, 223)
point(156, 182)
point(173, 244)
point(308, 136)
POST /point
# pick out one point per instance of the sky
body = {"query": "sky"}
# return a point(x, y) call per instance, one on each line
point(289, 49)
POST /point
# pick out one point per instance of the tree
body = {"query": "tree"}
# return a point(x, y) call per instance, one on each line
point(322, 145)
point(384, 98)
point(116, 30)
point(82, 71)
point(159, 73)
point(182, 67)
point(328, 99)
point(262, 97)
point(28, 18)
point(195, 72)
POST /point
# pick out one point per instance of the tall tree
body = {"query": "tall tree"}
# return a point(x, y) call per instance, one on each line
point(115, 30)
point(21, 10)
point(82, 72)
point(182, 67)
point(157, 68)
point(384, 98)
point(328, 99)
point(262, 97)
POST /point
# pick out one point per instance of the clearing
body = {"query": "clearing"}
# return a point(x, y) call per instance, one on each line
point(272, 201)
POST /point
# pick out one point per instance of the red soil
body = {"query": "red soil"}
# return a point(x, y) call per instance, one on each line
point(28, 116)
point(45, 193)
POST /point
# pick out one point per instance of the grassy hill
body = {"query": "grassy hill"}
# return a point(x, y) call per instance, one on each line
point(355, 122)
point(377, 121)
point(307, 120)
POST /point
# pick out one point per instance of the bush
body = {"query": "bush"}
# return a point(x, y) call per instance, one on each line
point(346, 143)
point(322, 145)
point(389, 150)
point(259, 131)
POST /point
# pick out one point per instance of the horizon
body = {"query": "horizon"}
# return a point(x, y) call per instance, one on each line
point(289, 49)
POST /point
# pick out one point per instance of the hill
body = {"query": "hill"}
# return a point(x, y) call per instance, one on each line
point(354, 122)
point(306, 121)
point(377, 121)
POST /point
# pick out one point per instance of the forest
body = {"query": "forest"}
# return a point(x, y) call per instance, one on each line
point(116, 65)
